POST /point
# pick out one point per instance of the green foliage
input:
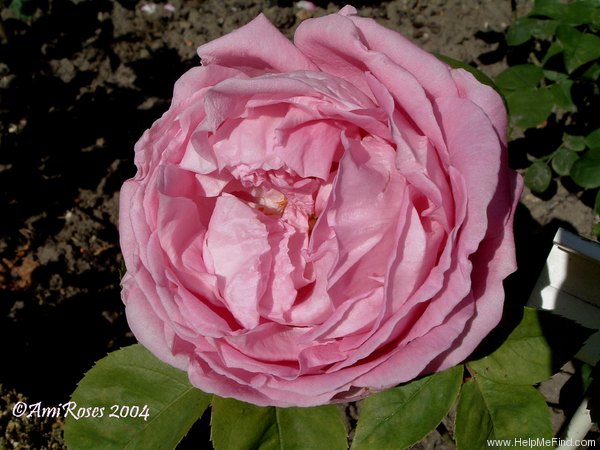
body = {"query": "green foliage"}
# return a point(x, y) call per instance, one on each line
point(557, 83)
point(529, 107)
point(400, 417)
point(524, 28)
point(526, 357)
point(240, 426)
point(577, 157)
point(497, 401)
point(575, 143)
point(593, 139)
point(563, 161)
point(518, 77)
point(578, 48)
point(538, 177)
point(586, 170)
point(489, 410)
point(154, 404)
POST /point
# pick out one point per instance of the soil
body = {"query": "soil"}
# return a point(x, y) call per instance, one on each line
point(79, 82)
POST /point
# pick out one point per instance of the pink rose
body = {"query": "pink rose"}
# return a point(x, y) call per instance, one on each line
point(312, 221)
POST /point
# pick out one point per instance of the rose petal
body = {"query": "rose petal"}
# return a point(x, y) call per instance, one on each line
point(431, 73)
point(363, 213)
point(239, 249)
point(240, 49)
point(485, 97)
point(148, 327)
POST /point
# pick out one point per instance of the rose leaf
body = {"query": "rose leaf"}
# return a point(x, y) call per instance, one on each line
point(140, 403)
point(548, 8)
point(488, 412)
point(544, 29)
point(237, 425)
point(529, 107)
point(521, 76)
point(522, 29)
point(574, 142)
point(592, 140)
point(580, 48)
point(399, 417)
point(561, 91)
point(580, 12)
point(534, 351)
point(586, 170)
point(592, 73)
point(555, 49)
point(538, 176)
point(563, 160)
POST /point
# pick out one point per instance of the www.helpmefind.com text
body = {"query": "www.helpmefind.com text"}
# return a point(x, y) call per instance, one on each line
point(539, 442)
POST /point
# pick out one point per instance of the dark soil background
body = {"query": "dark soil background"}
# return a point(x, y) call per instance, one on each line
point(80, 80)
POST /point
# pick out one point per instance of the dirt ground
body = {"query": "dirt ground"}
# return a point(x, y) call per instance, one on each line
point(79, 82)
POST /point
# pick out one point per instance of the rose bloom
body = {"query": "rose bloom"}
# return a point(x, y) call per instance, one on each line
point(317, 220)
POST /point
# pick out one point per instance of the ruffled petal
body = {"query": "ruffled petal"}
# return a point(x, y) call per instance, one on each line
point(257, 45)
point(237, 242)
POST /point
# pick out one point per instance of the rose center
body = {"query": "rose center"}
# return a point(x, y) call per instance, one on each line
point(270, 202)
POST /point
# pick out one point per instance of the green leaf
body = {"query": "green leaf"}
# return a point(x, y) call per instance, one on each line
point(165, 403)
point(399, 417)
point(574, 142)
point(456, 64)
point(488, 410)
point(592, 140)
point(555, 48)
point(534, 350)
point(579, 13)
point(524, 358)
point(585, 376)
point(538, 177)
point(548, 8)
point(586, 170)
point(520, 77)
point(544, 29)
point(529, 107)
point(553, 75)
point(522, 29)
point(563, 160)
point(597, 203)
point(561, 92)
point(595, 19)
point(579, 48)
point(592, 73)
point(237, 425)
